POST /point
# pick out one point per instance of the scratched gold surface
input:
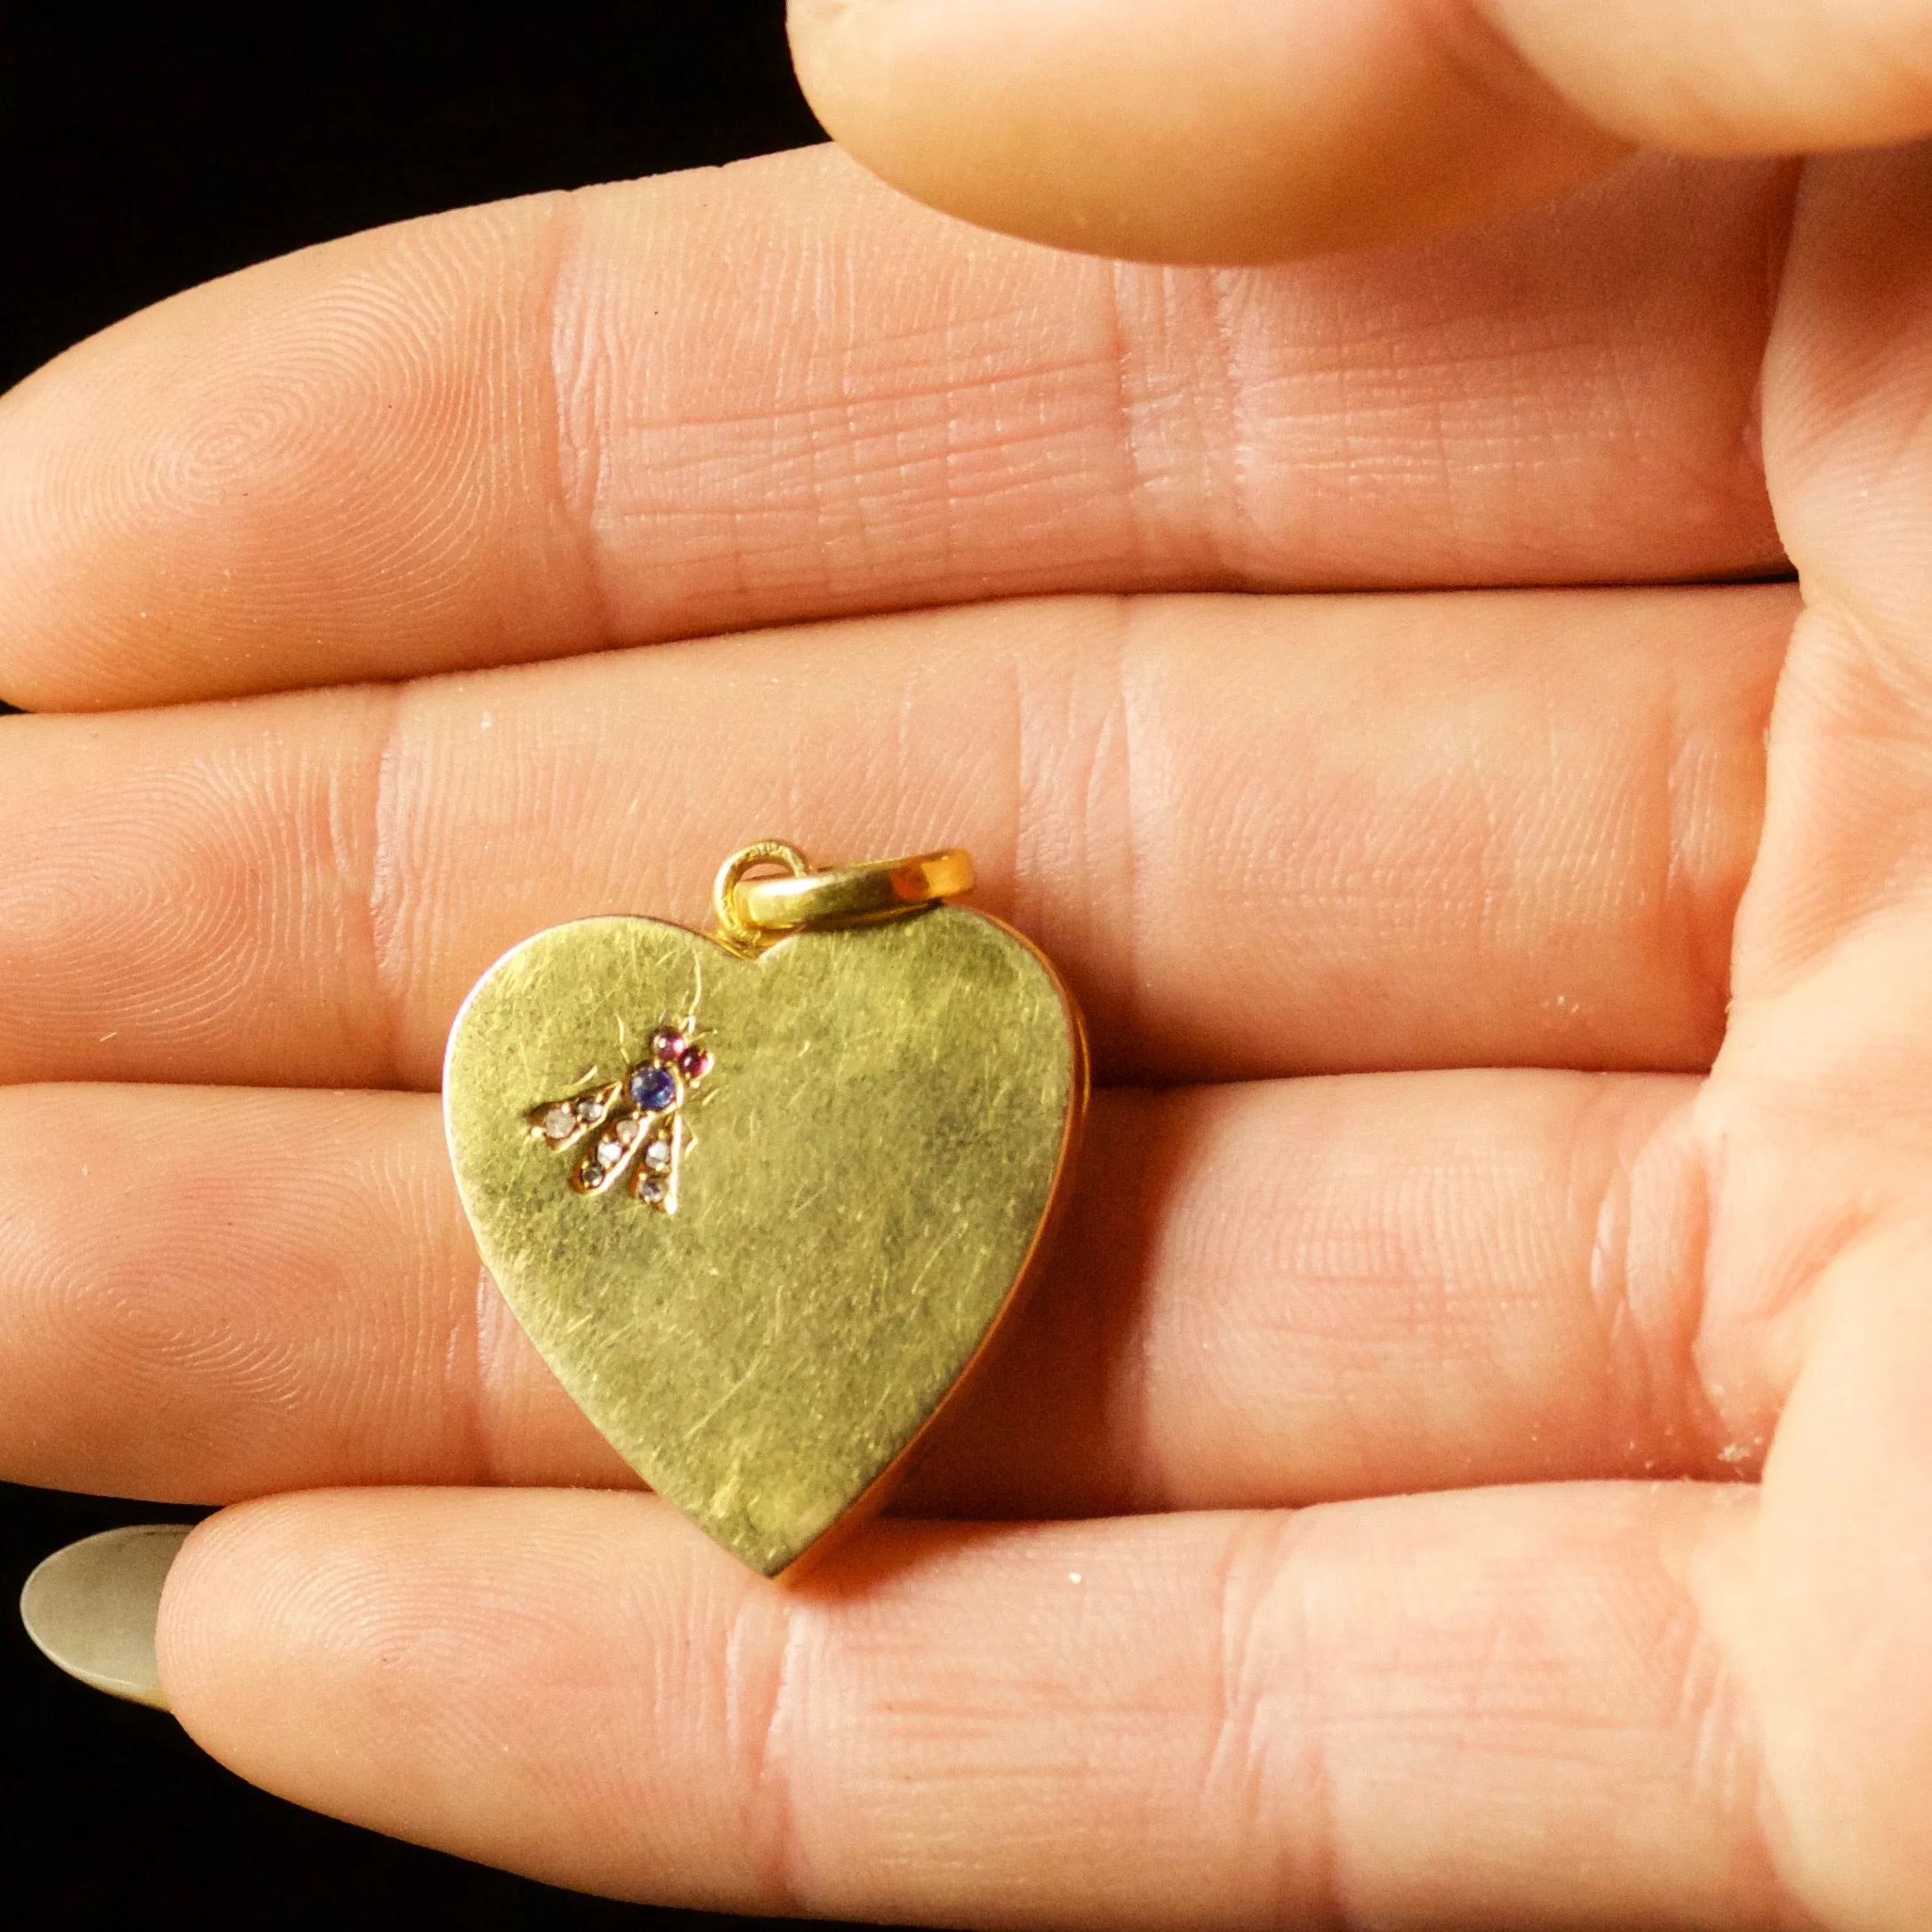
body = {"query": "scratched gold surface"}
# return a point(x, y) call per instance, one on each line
point(869, 1167)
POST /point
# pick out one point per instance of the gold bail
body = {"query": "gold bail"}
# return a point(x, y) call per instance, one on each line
point(752, 912)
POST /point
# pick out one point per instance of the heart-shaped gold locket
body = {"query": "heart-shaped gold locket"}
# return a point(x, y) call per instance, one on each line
point(761, 1199)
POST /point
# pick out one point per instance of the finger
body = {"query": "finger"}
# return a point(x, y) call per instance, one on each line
point(1828, 1622)
point(1846, 872)
point(1301, 1292)
point(1828, 1061)
point(1237, 132)
point(1483, 1708)
point(219, 1293)
point(1824, 1093)
point(557, 425)
point(1171, 131)
point(1258, 837)
point(1265, 1294)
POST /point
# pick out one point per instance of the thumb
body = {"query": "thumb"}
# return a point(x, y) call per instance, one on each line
point(1246, 130)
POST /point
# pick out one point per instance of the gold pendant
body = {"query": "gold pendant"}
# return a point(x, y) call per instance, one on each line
point(762, 1199)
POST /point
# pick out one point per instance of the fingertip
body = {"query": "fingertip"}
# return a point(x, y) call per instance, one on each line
point(323, 469)
point(1166, 130)
point(463, 1668)
point(204, 1614)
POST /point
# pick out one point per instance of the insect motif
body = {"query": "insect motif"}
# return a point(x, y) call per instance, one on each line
point(634, 1126)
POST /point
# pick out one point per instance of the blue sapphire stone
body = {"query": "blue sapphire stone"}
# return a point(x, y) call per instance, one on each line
point(652, 1089)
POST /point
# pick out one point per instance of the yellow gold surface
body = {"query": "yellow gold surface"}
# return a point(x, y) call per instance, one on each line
point(864, 1178)
point(847, 893)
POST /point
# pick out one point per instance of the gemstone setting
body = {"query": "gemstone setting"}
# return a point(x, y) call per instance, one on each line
point(637, 1121)
point(652, 1090)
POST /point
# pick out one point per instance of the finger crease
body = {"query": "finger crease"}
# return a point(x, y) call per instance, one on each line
point(1134, 491)
point(1263, 1592)
point(1121, 727)
point(384, 897)
point(764, 1698)
point(1649, 1261)
point(579, 392)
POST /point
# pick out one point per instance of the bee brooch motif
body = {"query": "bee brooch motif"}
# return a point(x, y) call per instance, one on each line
point(634, 1126)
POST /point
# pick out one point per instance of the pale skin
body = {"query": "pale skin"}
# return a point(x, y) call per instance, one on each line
point(1469, 1461)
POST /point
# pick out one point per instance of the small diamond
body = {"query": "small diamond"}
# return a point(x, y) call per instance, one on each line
point(610, 1151)
point(588, 1107)
point(560, 1123)
point(666, 1043)
point(590, 1174)
point(696, 1063)
point(652, 1089)
point(657, 1156)
point(650, 1188)
point(628, 1129)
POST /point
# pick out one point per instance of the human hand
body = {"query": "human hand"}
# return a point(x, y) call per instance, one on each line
point(1302, 1642)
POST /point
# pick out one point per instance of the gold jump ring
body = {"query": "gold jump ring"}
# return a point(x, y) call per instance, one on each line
point(753, 911)
point(731, 920)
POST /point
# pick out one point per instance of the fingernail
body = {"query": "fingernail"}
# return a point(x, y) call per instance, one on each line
point(92, 1608)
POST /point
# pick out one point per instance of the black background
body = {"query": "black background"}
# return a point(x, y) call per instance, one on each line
point(144, 148)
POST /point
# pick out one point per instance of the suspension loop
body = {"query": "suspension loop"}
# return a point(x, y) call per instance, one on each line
point(788, 893)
